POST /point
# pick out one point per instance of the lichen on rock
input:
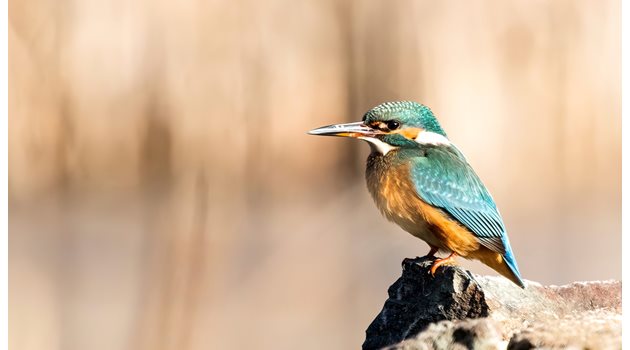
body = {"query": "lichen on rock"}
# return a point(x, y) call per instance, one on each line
point(458, 310)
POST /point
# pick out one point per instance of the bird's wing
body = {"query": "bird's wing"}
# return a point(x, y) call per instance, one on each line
point(444, 179)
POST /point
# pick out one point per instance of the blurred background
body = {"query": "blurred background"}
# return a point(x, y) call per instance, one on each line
point(164, 195)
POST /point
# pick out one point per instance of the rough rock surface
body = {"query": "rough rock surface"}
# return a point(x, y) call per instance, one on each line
point(458, 310)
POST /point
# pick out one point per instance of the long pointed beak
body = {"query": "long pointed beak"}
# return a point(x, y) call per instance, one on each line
point(357, 129)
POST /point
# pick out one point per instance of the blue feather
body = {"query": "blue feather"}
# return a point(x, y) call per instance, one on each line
point(444, 179)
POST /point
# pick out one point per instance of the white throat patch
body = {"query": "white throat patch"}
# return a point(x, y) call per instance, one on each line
point(427, 137)
point(378, 145)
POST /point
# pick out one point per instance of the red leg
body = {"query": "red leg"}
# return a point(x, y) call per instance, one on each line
point(441, 262)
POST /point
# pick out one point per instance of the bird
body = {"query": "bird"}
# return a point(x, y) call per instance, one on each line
point(422, 182)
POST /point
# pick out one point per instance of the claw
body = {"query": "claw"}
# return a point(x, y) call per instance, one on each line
point(441, 262)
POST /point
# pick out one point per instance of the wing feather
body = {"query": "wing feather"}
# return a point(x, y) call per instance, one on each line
point(444, 179)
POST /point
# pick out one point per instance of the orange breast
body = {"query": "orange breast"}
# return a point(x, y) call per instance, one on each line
point(396, 198)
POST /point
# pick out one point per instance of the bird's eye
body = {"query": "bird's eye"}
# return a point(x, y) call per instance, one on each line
point(393, 124)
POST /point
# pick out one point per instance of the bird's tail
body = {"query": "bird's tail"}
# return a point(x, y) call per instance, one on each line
point(504, 264)
point(510, 262)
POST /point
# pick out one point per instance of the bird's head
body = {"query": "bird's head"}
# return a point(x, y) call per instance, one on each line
point(390, 126)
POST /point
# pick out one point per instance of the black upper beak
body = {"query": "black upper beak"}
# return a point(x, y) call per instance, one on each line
point(357, 129)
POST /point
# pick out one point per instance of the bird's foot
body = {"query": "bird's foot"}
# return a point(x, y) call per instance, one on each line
point(440, 262)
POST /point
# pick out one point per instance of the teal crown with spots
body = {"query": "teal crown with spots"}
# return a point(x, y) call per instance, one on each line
point(408, 113)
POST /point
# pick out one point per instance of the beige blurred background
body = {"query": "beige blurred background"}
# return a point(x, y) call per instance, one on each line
point(164, 194)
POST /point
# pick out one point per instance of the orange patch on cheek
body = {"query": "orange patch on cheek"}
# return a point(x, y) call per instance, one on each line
point(410, 133)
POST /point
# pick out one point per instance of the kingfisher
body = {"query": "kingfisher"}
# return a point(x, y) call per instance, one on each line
point(422, 182)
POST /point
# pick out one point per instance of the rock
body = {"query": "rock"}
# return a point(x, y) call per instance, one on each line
point(458, 310)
